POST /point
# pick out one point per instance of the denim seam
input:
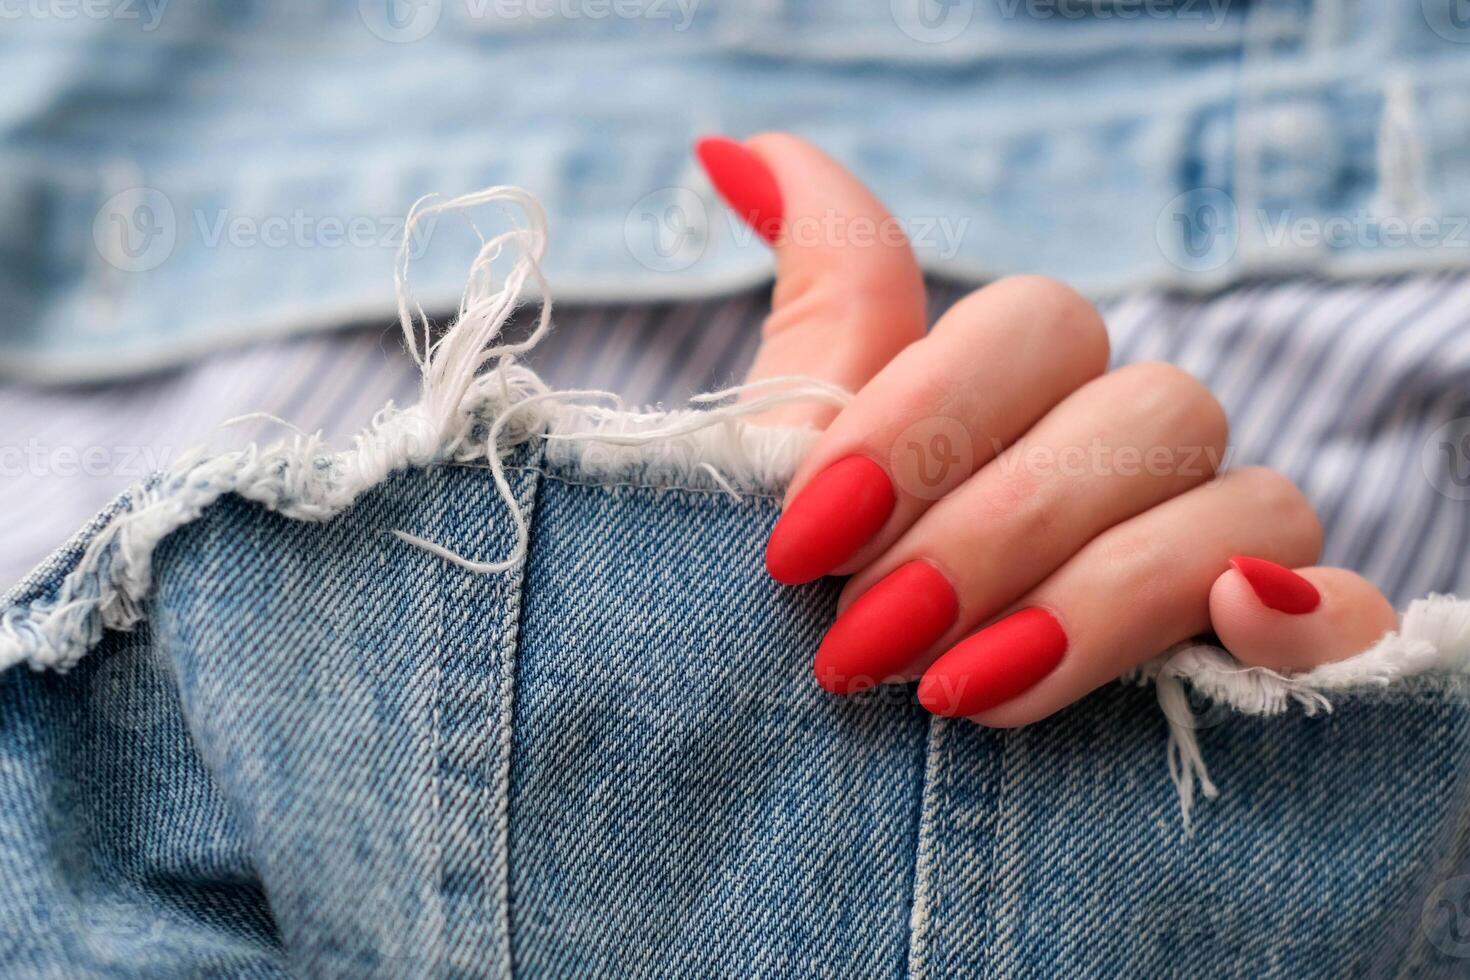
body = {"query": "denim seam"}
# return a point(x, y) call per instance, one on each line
point(441, 920)
point(920, 917)
point(630, 485)
point(944, 814)
point(501, 783)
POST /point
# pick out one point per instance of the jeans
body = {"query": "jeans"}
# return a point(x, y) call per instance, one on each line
point(322, 752)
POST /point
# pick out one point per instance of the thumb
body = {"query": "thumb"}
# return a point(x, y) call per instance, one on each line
point(849, 294)
point(1271, 616)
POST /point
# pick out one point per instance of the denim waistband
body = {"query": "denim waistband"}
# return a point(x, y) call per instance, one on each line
point(177, 178)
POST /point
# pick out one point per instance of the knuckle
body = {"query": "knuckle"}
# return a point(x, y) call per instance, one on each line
point(1132, 557)
point(1167, 383)
point(1274, 498)
point(1171, 392)
point(1072, 323)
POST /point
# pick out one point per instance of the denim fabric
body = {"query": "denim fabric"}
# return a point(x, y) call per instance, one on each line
point(326, 753)
point(174, 177)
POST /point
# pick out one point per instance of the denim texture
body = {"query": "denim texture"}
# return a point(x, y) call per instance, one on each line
point(326, 753)
point(175, 177)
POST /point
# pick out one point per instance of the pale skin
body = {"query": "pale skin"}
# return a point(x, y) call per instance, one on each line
point(1128, 559)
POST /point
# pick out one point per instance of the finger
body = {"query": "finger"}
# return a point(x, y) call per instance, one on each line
point(849, 294)
point(1270, 616)
point(1118, 446)
point(994, 364)
point(1129, 594)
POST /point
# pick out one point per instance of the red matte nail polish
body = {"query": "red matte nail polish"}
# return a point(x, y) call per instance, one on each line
point(886, 629)
point(745, 182)
point(998, 663)
point(1277, 586)
point(835, 515)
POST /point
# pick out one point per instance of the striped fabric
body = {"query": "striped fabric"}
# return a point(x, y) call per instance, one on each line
point(1341, 386)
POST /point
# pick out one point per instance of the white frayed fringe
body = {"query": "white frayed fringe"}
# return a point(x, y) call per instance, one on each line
point(1434, 636)
point(477, 404)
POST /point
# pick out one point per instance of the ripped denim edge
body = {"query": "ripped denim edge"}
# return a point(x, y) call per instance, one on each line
point(469, 415)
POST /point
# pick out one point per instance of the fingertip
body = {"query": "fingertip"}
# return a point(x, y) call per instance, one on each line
point(1276, 586)
point(1349, 616)
point(785, 562)
point(830, 520)
point(747, 183)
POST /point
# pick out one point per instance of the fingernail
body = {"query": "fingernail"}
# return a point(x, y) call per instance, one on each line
point(886, 628)
point(1000, 662)
point(1277, 586)
point(835, 515)
point(745, 182)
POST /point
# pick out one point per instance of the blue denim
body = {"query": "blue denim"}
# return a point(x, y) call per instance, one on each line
point(326, 753)
point(176, 177)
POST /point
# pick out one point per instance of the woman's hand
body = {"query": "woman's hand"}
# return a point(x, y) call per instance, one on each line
point(1020, 524)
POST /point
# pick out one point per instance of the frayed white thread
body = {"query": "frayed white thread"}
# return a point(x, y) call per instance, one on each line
point(723, 483)
point(452, 365)
point(1182, 755)
point(262, 417)
point(476, 403)
point(1434, 635)
point(674, 426)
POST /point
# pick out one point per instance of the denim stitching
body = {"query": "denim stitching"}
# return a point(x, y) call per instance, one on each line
point(630, 485)
point(509, 655)
point(437, 762)
point(920, 919)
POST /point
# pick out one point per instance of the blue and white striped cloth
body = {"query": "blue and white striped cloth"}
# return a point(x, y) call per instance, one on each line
point(1342, 386)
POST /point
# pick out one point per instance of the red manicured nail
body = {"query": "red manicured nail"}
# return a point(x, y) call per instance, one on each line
point(998, 663)
point(745, 182)
point(886, 629)
point(835, 515)
point(1277, 586)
